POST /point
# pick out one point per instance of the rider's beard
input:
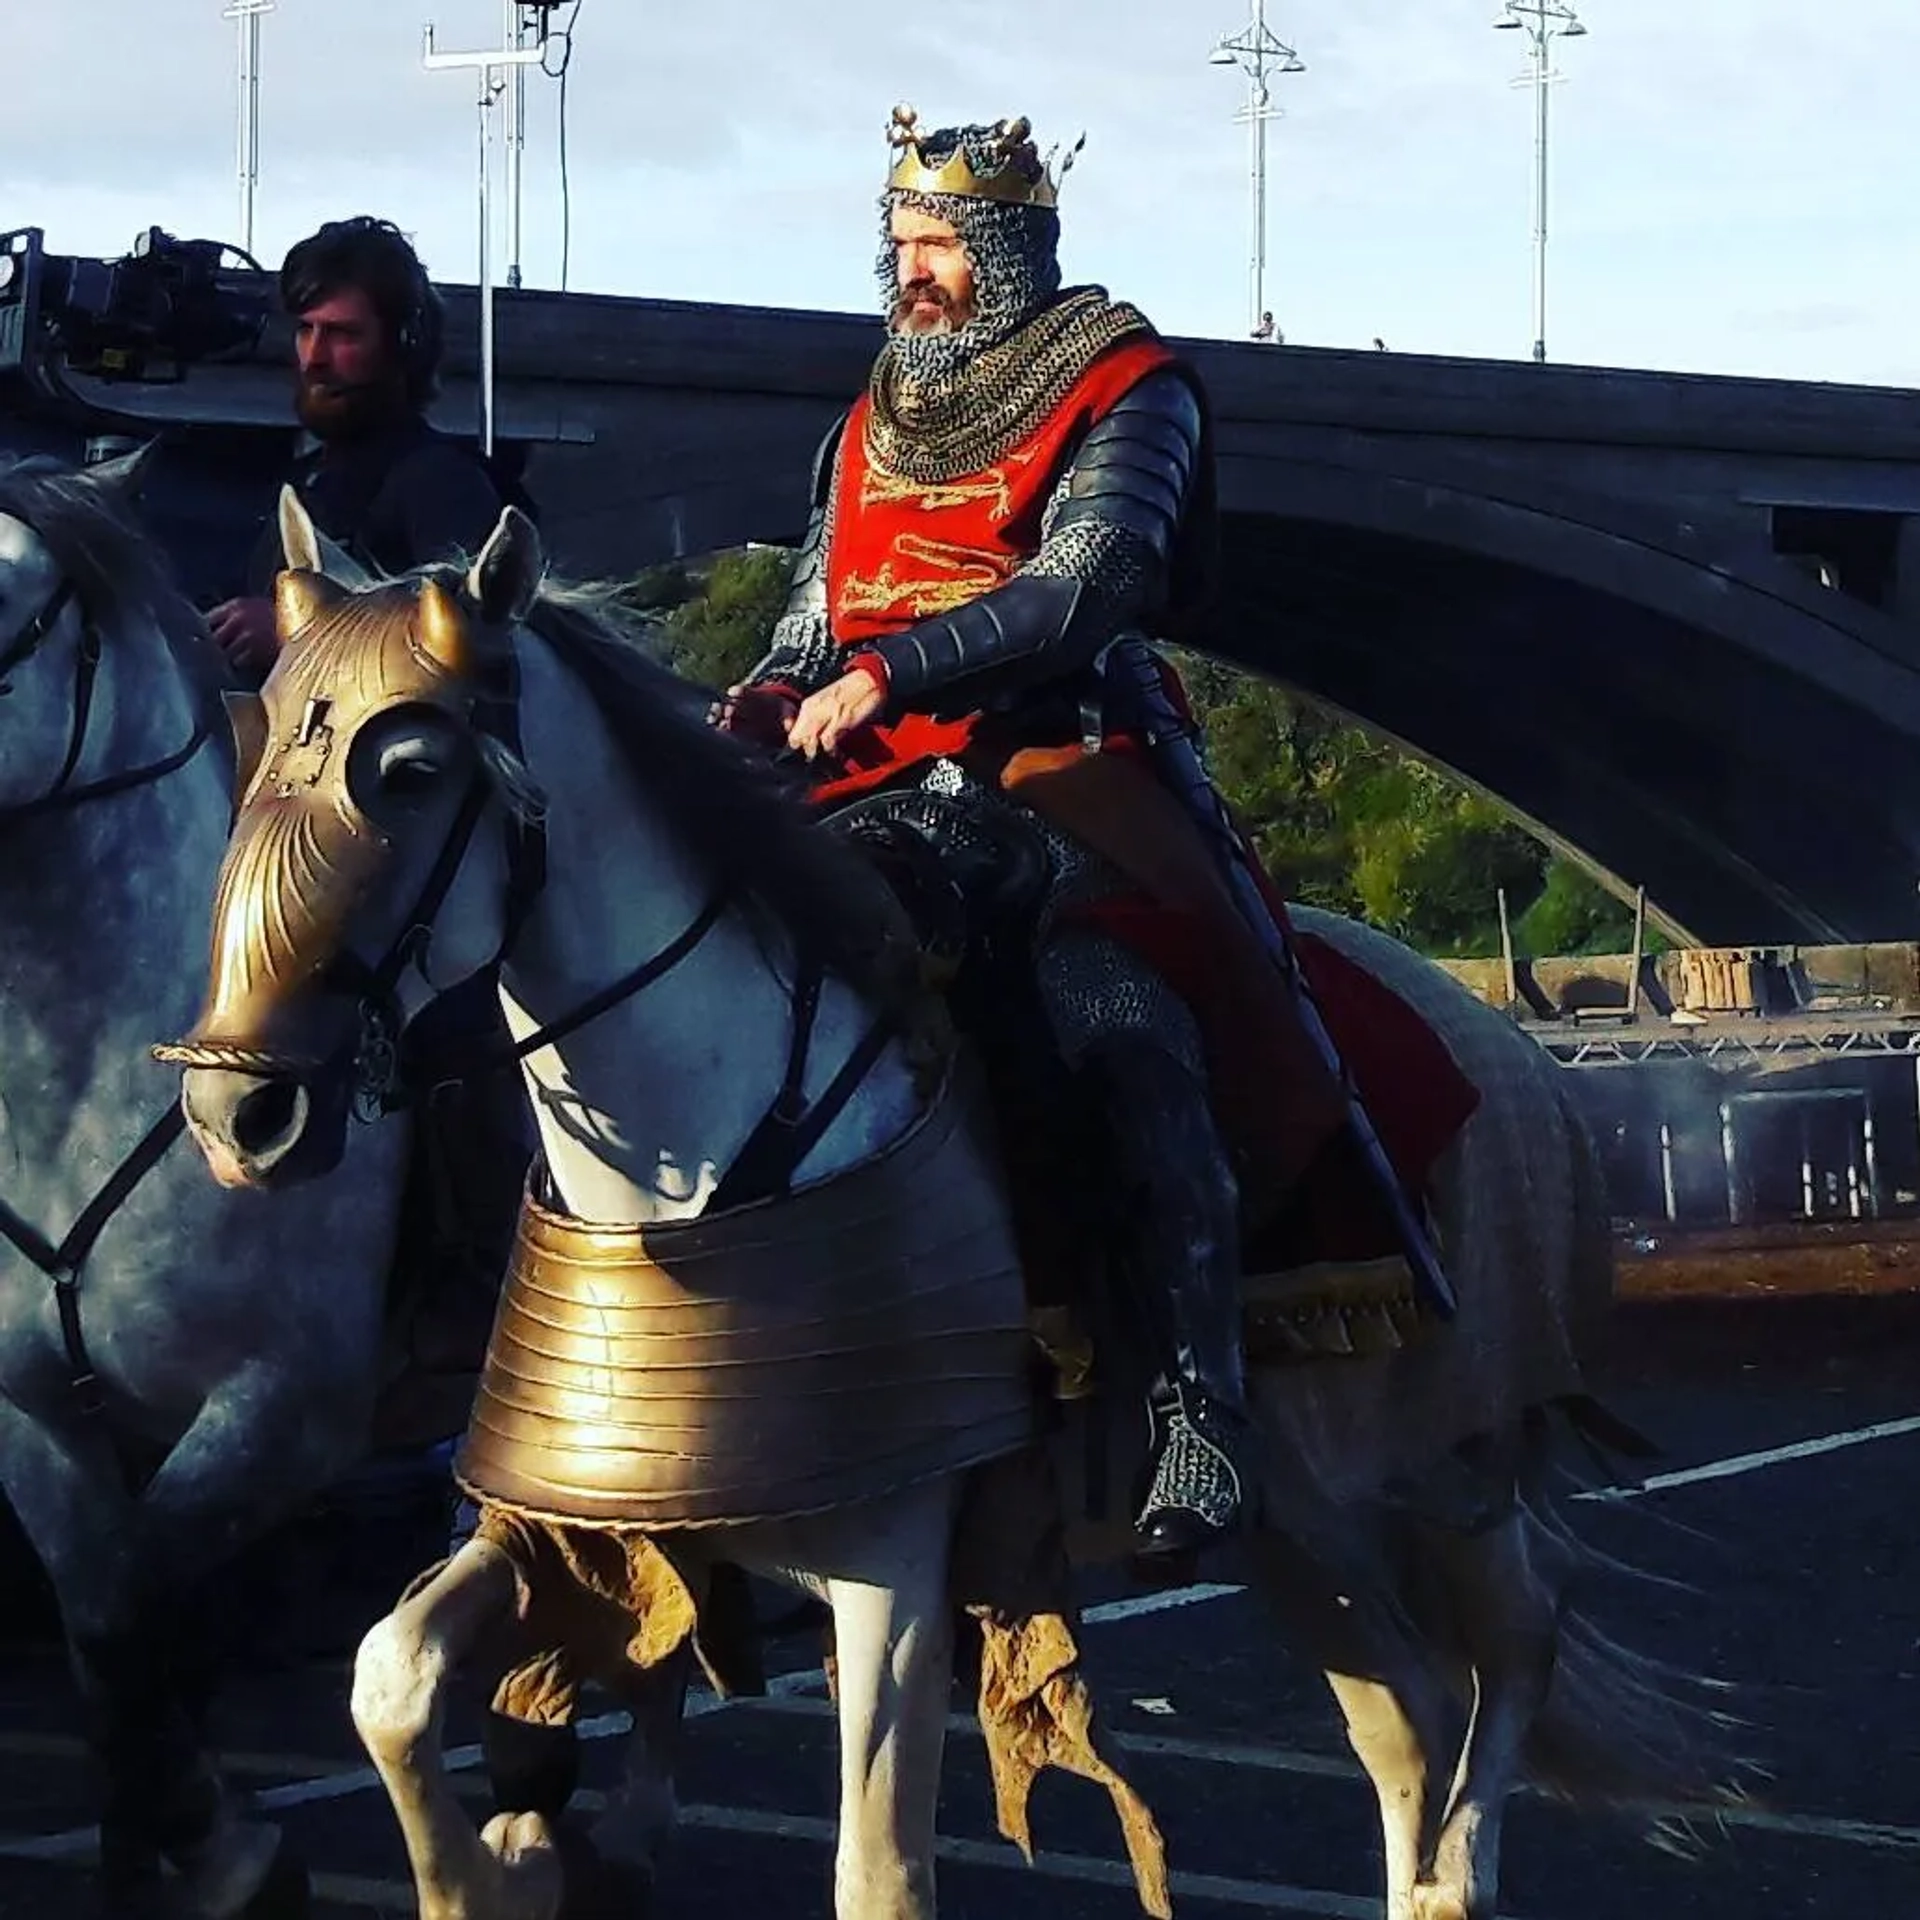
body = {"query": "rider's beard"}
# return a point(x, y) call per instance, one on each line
point(932, 349)
point(907, 319)
point(340, 410)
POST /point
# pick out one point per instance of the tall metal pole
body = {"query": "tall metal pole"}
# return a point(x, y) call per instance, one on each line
point(1540, 92)
point(489, 86)
point(515, 134)
point(494, 68)
point(1543, 21)
point(1257, 53)
point(1259, 112)
point(246, 16)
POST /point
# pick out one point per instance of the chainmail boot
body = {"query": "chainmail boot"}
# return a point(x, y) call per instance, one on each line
point(1181, 1250)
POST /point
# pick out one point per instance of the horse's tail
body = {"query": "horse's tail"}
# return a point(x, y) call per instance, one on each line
point(1618, 1726)
point(1621, 1727)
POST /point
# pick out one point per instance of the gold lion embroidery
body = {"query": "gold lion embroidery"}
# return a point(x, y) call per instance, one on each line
point(958, 574)
point(879, 487)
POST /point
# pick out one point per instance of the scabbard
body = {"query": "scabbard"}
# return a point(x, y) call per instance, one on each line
point(1139, 704)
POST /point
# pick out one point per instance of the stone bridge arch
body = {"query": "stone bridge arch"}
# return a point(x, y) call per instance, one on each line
point(1664, 696)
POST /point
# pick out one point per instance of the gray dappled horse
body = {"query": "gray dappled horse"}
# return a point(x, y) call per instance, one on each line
point(181, 1367)
point(1413, 1540)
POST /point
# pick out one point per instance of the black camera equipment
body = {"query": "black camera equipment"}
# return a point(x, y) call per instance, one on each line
point(146, 317)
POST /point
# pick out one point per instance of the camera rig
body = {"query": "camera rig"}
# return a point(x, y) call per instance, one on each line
point(143, 319)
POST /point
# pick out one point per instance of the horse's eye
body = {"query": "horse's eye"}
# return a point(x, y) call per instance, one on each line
point(409, 770)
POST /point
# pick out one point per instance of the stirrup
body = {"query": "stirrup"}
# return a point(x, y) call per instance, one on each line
point(1194, 1496)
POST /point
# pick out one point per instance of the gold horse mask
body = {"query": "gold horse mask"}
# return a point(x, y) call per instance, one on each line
point(312, 839)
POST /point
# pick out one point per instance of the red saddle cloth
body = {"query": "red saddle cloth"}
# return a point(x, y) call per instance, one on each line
point(1306, 1197)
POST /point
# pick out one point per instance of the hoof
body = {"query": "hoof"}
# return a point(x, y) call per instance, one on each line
point(228, 1872)
point(287, 1891)
point(532, 1881)
point(1438, 1903)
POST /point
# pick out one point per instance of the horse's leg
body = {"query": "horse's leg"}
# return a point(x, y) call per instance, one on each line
point(893, 1644)
point(1506, 1604)
point(1399, 1715)
point(400, 1674)
point(1390, 1747)
point(257, 1448)
point(627, 1842)
point(75, 1509)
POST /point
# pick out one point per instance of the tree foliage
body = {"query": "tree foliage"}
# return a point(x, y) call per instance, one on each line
point(1349, 822)
point(716, 615)
point(1343, 819)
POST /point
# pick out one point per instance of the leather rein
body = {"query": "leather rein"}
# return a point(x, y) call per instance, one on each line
point(86, 674)
point(62, 1261)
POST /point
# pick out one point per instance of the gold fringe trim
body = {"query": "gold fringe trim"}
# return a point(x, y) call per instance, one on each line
point(1329, 1311)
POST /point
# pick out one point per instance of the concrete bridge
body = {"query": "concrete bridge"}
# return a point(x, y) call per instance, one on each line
point(1673, 620)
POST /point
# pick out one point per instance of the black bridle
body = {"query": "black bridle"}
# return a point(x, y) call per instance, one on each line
point(62, 1261)
point(86, 674)
point(378, 1081)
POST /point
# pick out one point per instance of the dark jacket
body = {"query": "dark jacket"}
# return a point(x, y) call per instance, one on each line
point(400, 500)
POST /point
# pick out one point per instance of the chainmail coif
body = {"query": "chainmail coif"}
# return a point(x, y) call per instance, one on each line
point(1014, 251)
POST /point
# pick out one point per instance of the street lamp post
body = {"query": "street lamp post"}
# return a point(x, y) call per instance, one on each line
point(1543, 22)
point(246, 16)
point(1257, 53)
point(495, 67)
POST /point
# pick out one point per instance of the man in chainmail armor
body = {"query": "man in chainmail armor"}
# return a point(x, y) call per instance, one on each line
point(1026, 482)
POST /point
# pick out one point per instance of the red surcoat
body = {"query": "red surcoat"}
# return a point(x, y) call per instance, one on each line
point(903, 550)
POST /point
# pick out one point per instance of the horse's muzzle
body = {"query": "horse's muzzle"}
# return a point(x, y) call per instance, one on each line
point(265, 1128)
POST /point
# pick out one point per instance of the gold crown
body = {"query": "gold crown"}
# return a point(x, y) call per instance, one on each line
point(1020, 177)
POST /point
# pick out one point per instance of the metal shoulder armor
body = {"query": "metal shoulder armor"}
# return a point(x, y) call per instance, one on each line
point(1135, 468)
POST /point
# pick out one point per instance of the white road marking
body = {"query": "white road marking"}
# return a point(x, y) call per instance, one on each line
point(1753, 1462)
point(1113, 1611)
point(1327, 1766)
point(342, 1890)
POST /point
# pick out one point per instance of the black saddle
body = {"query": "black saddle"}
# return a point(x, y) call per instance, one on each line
point(972, 884)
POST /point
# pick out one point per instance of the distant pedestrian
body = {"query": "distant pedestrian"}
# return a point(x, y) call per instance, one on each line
point(1266, 330)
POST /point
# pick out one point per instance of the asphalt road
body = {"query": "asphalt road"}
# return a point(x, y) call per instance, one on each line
point(1806, 1566)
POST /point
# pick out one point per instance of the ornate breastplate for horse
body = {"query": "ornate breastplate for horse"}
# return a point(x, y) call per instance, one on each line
point(775, 1359)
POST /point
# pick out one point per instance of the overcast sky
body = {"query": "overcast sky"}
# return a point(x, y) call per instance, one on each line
point(1735, 187)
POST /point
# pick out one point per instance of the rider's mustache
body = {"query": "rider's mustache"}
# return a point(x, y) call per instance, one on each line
point(922, 292)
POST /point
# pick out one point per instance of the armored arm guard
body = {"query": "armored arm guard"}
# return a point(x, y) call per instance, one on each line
point(802, 652)
point(1101, 568)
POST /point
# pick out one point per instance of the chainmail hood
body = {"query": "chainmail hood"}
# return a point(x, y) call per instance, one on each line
point(1014, 251)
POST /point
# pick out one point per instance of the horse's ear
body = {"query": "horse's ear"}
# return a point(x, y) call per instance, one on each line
point(125, 474)
point(309, 550)
point(247, 716)
point(300, 596)
point(299, 537)
point(505, 580)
